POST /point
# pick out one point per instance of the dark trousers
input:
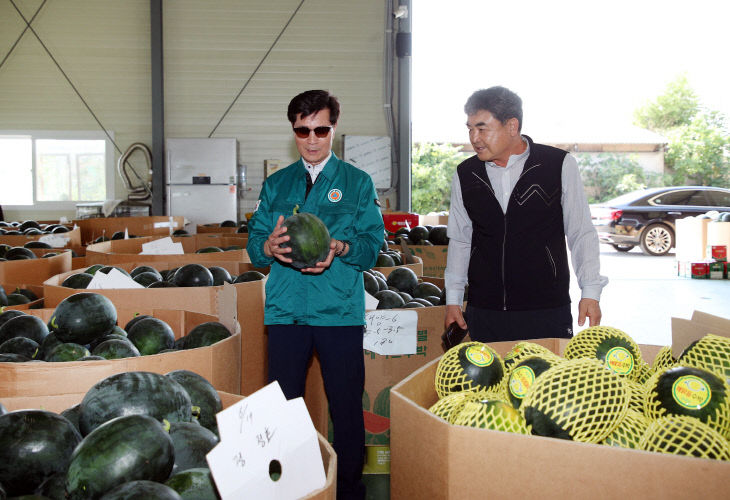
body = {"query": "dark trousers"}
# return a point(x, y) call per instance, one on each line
point(487, 325)
point(343, 371)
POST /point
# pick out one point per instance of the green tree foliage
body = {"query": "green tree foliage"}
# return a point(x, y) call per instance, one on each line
point(607, 176)
point(432, 169)
point(699, 143)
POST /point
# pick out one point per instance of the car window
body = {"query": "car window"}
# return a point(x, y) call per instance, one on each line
point(719, 198)
point(682, 197)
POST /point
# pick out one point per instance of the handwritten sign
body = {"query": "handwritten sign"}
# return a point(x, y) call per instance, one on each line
point(391, 332)
point(260, 431)
point(371, 154)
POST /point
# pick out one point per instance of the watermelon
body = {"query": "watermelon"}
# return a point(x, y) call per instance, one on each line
point(10, 314)
point(162, 284)
point(13, 358)
point(309, 240)
point(20, 345)
point(144, 269)
point(72, 415)
point(139, 489)
point(34, 445)
point(151, 335)
point(437, 235)
point(128, 393)
point(220, 275)
point(418, 234)
point(249, 276)
point(53, 488)
point(92, 269)
point(523, 376)
point(67, 351)
point(192, 275)
point(371, 284)
point(138, 317)
point(209, 250)
point(194, 484)
point(19, 253)
point(147, 278)
point(404, 279)
point(123, 449)
point(388, 299)
point(425, 289)
point(690, 391)
point(205, 334)
point(192, 443)
point(472, 366)
point(202, 396)
point(16, 299)
point(384, 260)
point(82, 317)
point(116, 348)
point(107, 270)
point(78, 281)
point(24, 325)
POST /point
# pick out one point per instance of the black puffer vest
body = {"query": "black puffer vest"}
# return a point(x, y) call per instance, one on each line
point(518, 259)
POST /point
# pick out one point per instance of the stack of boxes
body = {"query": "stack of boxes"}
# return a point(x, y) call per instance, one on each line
point(714, 267)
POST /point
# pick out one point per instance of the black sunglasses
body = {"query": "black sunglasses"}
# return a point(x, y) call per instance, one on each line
point(303, 132)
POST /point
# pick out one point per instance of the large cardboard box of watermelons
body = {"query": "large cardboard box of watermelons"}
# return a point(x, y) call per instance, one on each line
point(68, 239)
point(34, 271)
point(249, 304)
point(58, 403)
point(214, 229)
point(382, 372)
point(111, 252)
point(219, 363)
point(159, 225)
point(35, 290)
point(434, 459)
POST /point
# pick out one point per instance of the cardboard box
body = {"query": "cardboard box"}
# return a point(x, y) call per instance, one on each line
point(717, 252)
point(718, 234)
point(396, 220)
point(433, 220)
point(219, 363)
point(34, 304)
point(58, 403)
point(72, 237)
point(214, 229)
point(717, 270)
point(34, 271)
point(700, 270)
point(116, 251)
point(160, 225)
point(436, 460)
point(691, 238)
point(433, 258)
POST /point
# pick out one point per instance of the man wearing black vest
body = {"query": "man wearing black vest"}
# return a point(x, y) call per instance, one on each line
point(512, 207)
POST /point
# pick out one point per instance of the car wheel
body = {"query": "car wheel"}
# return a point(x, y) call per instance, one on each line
point(623, 248)
point(657, 239)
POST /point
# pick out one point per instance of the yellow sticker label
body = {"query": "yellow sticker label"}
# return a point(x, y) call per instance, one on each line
point(620, 360)
point(479, 356)
point(691, 392)
point(520, 381)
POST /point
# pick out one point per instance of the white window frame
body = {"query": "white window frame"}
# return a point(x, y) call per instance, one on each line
point(109, 161)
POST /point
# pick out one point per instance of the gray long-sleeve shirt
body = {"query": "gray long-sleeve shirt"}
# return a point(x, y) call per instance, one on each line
point(581, 235)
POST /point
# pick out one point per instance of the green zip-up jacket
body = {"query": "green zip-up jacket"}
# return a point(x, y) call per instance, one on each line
point(344, 197)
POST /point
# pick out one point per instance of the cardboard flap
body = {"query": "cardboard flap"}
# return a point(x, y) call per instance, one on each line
point(685, 331)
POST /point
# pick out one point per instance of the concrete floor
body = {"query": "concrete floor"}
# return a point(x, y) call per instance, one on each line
point(644, 293)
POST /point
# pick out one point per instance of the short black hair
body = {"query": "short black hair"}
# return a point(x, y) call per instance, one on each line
point(501, 102)
point(310, 102)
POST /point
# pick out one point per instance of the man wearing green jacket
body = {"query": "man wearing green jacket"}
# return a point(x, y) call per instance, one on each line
point(320, 308)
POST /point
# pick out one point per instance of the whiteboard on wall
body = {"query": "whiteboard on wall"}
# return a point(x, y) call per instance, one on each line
point(371, 154)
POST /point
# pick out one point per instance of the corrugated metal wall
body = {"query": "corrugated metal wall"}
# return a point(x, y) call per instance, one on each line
point(210, 51)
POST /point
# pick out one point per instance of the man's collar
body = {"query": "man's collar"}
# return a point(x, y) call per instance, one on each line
point(319, 165)
point(330, 164)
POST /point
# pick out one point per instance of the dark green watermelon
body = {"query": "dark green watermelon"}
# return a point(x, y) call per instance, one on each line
point(19, 253)
point(144, 269)
point(384, 260)
point(53, 488)
point(13, 358)
point(193, 275)
point(388, 299)
point(37, 244)
point(413, 305)
point(209, 250)
point(27, 292)
point(424, 289)
point(10, 314)
point(417, 234)
point(47, 345)
point(20, 345)
point(131, 322)
point(228, 223)
point(72, 415)
point(523, 375)
point(116, 348)
point(78, 280)
point(109, 336)
point(220, 275)
point(202, 395)
point(192, 442)
point(205, 334)
point(67, 351)
point(107, 269)
point(126, 448)
point(141, 393)
point(92, 269)
point(34, 445)
point(371, 284)
point(438, 235)
point(141, 489)
point(24, 325)
point(309, 240)
point(404, 279)
point(82, 317)
point(249, 276)
point(16, 299)
point(194, 484)
point(162, 284)
point(151, 335)
point(147, 278)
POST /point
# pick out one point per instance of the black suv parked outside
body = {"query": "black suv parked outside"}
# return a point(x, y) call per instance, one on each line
point(646, 217)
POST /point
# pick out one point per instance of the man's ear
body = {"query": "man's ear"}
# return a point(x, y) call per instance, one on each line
point(513, 126)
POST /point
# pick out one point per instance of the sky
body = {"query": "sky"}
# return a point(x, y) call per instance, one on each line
point(576, 65)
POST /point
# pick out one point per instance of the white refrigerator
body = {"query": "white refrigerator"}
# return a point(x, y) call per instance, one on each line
point(202, 180)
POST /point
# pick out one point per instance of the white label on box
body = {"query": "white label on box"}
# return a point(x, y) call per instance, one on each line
point(258, 433)
point(391, 332)
point(371, 303)
point(113, 279)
